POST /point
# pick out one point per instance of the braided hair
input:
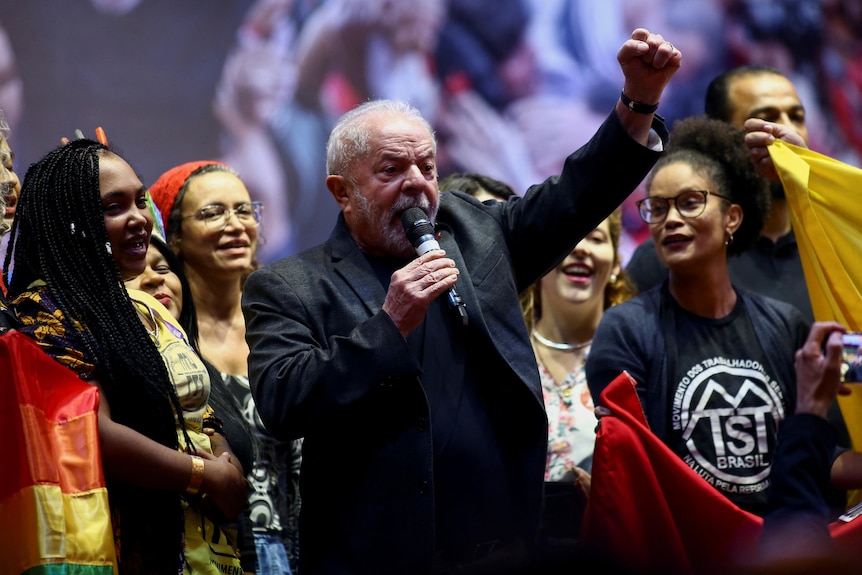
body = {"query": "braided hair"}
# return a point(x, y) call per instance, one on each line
point(59, 236)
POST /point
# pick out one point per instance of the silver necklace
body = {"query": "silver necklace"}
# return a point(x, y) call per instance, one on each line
point(560, 346)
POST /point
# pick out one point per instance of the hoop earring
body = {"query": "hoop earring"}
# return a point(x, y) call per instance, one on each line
point(729, 240)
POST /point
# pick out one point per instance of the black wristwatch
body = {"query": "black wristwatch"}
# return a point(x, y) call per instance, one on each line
point(637, 107)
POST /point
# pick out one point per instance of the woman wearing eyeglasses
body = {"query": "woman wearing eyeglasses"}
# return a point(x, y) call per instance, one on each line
point(713, 363)
point(213, 225)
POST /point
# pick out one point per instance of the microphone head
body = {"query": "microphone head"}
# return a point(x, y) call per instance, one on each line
point(416, 225)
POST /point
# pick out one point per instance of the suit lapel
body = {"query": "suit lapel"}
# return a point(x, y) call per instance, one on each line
point(350, 264)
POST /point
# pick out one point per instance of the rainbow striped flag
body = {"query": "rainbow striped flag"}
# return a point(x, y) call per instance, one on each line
point(54, 516)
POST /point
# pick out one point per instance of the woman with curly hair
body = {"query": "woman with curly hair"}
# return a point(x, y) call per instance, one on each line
point(713, 364)
point(83, 226)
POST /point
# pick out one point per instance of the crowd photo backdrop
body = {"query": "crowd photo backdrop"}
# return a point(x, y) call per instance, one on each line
point(510, 86)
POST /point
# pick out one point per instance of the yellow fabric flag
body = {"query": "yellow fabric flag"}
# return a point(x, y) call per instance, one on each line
point(826, 212)
point(824, 199)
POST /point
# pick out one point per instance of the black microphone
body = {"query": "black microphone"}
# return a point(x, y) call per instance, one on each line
point(420, 232)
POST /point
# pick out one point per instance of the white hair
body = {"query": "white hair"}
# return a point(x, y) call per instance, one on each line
point(348, 140)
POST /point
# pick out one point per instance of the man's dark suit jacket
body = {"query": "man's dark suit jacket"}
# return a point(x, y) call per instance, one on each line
point(328, 365)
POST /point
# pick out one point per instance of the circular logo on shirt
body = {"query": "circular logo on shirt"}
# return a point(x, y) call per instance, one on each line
point(726, 412)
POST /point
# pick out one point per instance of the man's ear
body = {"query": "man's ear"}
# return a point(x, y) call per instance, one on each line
point(340, 189)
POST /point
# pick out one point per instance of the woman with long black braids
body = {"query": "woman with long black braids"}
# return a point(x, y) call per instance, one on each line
point(81, 227)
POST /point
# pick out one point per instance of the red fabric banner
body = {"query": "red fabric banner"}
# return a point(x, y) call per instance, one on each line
point(649, 512)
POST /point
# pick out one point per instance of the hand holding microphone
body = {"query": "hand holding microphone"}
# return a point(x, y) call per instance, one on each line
point(420, 232)
point(416, 285)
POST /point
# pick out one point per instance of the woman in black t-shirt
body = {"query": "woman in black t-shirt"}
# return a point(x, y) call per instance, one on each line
point(713, 364)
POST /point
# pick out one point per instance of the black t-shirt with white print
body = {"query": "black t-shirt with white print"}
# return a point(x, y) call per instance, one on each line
point(725, 404)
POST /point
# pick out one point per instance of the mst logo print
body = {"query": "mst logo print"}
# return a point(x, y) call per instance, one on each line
point(726, 412)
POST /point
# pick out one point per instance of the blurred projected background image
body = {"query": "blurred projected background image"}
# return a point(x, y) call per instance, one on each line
point(511, 86)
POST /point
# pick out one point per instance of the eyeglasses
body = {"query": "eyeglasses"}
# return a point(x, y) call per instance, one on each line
point(216, 216)
point(690, 204)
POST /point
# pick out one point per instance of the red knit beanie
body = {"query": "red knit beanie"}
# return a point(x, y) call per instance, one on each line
point(164, 191)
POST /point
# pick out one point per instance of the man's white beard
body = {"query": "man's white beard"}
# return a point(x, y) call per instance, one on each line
point(390, 232)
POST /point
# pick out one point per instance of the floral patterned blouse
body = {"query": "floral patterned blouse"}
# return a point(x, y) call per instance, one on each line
point(571, 423)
